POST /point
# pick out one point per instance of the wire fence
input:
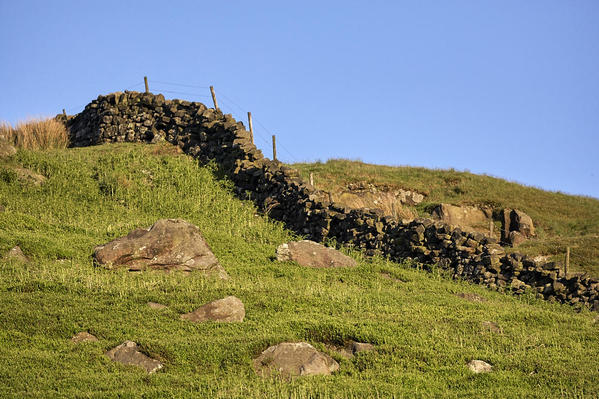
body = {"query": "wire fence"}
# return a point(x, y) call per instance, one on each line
point(225, 102)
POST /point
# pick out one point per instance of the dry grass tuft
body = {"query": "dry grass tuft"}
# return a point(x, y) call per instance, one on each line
point(36, 134)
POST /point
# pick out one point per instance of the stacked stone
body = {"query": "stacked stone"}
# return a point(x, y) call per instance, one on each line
point(211, 136)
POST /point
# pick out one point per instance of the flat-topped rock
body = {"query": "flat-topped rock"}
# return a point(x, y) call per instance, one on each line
point(471, 297)
point(229, 310)
point(169, 244)
point(127, 353)
point(291, 359)
point(83, 336)
point(157, 306)
point(312, 254)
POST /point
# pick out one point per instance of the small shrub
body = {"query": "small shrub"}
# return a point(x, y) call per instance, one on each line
point(36, 134)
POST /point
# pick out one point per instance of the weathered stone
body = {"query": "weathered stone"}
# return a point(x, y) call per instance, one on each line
point(469, 218)
point(17, 254)
point(6, 149)
point(310, 253)
point(83, 336)
point(155, 305)
point(517, 226)
point(294, 359)
point(127, 353)
point(479, 366)
point(491, 327)
point(229, 309)
point(471, 297)
point(169, 244)
point(30, 177)
point(361, 347)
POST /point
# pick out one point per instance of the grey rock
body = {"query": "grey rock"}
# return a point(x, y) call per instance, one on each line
point(491, 327)
point(6, 149)
point(471, 297)
point(155, 305)
point(479, 366)
point(312, 254)
point(127, 353)
point(169, 244)
point(229, 309)
point(294, 359)
point(361, 347)
point(17, 254)
point(83, 336)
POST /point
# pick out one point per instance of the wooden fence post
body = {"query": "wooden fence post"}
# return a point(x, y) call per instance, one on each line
point(146, 83)
point(274, 148)
point(567, 264)
point(251, 126)
point(214, 98)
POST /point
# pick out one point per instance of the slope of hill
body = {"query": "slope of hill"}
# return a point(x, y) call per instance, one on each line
point(424, 333)
point(561, 220)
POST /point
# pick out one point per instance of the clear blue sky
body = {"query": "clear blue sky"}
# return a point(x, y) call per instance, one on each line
point(506, 88)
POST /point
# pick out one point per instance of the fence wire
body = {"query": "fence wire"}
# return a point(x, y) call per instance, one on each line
point(225, 103)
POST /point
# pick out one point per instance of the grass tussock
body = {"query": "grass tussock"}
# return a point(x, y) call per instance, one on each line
point(36, 134)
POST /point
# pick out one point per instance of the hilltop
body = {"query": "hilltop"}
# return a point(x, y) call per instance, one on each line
point(423, 330)
point(561, 220)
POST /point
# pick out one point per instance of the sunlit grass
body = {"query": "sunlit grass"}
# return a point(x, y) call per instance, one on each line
point(424, 333)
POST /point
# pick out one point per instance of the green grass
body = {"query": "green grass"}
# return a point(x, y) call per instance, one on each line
point(424, 333)
point(561, 220)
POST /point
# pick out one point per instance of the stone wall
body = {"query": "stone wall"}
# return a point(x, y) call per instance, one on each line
point(278, 190)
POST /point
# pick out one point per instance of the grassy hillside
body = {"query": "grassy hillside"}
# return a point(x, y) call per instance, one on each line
point(561, 220)
point(424, 333)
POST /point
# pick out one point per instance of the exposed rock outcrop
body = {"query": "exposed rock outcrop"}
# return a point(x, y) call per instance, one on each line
point(169, 244)
point(312, 254)
point(516, 227)
point(467, 218)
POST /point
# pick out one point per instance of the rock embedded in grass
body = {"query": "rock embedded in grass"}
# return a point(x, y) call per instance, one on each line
point(228, 310)
point(169, 244)
point(155, 305)
point(479, 366)
point(290, 359)
point(83, 336)
point(17, 254)
point(491, 327)
point(6, 149)
point(312, 254)
point(358, 347)
point(127, 353)
point(471, 297)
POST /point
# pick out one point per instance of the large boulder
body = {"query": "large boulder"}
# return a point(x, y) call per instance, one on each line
point(294, 359)
point(229, 309)
point(310, 253)
point(169, 244)
point(127, 353)
point(468, 218)
point(516, 227)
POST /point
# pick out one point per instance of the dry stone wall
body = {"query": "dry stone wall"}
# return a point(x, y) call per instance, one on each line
point(209, 135)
